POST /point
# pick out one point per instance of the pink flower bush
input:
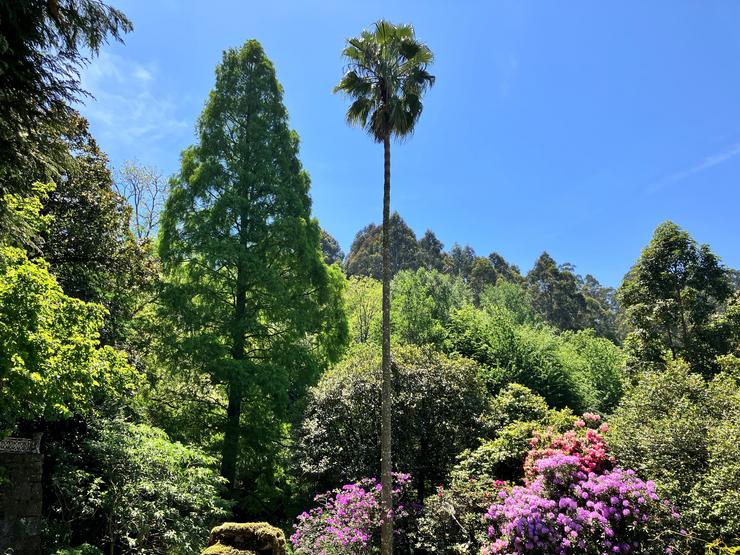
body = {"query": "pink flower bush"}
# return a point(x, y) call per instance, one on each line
point(575, 501)
point(583, 442)
point(347, 520)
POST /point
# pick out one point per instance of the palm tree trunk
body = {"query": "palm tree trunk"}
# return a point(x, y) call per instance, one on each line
point(386, 466)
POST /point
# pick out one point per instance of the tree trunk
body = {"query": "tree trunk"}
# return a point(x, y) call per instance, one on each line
point(386, 392)
point(230, 450)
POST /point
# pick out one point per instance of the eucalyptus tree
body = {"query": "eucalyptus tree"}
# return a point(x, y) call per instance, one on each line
point(257, 308)
point(672, 298)
point(386, 78)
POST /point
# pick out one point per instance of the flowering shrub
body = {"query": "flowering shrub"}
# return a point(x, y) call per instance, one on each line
point(347, 520)
point(575, 501)
point(583, 442)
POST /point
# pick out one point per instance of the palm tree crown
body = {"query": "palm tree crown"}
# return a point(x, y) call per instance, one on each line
point(386, 78)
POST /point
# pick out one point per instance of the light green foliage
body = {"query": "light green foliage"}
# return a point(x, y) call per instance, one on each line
point(421, 305)
point(255, 304)
point(578, 370)
point(437, 403)
point(597, 365)
point(25, 213)
point(511, 353)
point(51, 362)
point(146, 493)
point(686, 433)
point(363, 298)
point(511, 296)
point(514, 403)
point(507, 426)
point(670, 296)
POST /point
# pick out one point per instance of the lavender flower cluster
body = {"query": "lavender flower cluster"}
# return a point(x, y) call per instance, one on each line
point(347, 520)
point(563, 510)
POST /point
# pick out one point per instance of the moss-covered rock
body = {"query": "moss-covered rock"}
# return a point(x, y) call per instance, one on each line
point(221, 549)
point(247, 538)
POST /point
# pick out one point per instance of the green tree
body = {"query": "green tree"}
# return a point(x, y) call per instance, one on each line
point(506, 271)
point(513, 297)
point(422, 303)
point(43, 44)
point(51, 362)
point(365, 256)
point(438, 401)
point(363, 300)
point(514, 353)
point(257, 307)
point(461, 260)
point(386, 78)
point(331, 249)
point(431, 252)
point(555, 294)
point(670, 297)
point(482, 275)
point(87, 242)
point(685, 431)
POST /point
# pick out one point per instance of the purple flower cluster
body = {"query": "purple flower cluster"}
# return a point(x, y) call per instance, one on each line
point(565, 511)
point(346, 520)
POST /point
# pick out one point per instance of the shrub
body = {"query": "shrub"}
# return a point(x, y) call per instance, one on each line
point(685, 432)
point(133, 488)
point(437, 403)
point(575, 501)
point(347, 520)
point(451, 521)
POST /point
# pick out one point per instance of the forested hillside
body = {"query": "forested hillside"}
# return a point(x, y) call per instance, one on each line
point(197, 349)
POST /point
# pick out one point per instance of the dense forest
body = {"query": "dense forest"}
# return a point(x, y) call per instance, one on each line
point(196, 349)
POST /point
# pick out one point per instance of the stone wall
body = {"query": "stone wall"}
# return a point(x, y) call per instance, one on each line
point(20, 503)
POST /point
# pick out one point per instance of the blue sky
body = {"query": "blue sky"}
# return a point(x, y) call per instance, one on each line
point(573, 127)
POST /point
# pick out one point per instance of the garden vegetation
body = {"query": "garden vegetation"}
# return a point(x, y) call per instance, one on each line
point(204, 351)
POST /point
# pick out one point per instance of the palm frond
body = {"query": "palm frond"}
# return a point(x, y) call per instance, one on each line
point(386, 77)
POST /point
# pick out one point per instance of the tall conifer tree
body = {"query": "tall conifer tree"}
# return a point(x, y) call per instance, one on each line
point(257, 307)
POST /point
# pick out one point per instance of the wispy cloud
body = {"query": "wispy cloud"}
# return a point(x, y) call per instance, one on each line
point(127, 110)
point(728, 153)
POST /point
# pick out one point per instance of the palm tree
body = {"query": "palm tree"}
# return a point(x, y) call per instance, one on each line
point(386, 78)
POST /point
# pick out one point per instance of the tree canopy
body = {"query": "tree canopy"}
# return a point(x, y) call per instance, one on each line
point(257, 307)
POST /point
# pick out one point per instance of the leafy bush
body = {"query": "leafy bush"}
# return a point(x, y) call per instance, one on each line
point(685, 432)
point(451, 519)
point(347, 520)
point(574, 369)
point(133, 488)
point(437, 404)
